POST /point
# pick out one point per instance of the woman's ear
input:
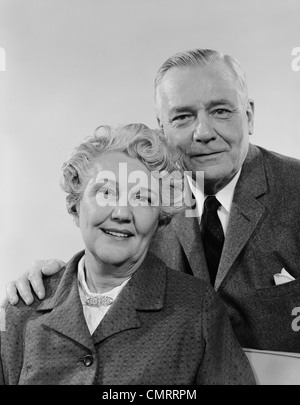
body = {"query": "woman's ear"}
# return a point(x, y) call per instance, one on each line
point(76, 215)
point(160, 126)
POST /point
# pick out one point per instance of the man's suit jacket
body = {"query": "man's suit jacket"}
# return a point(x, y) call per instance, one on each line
point(165, 327)
point(263, 236)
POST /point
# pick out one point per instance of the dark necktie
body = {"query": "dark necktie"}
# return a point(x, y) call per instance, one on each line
point(212, 235)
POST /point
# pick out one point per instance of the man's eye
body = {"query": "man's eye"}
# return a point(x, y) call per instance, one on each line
point(181, 118)
point(221, 113)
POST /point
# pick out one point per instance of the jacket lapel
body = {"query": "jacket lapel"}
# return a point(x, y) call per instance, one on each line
point(188, 233)
point(64, 311)
point(144, 291)
point(246, 211)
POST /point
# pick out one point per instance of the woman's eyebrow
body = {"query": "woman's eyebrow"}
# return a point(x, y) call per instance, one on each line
point(102, 182)
point(149, 190)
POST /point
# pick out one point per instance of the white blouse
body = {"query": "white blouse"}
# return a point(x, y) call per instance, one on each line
point(94, 313)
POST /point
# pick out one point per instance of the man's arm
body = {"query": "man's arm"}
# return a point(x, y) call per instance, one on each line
point(31, 282)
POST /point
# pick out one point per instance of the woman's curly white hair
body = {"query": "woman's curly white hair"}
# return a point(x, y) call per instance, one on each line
point(137, 141)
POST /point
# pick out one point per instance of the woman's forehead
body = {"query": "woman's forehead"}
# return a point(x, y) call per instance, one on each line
point(114, 160)
point(119, 168)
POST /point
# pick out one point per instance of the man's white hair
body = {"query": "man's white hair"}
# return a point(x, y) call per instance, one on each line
point(202, 58)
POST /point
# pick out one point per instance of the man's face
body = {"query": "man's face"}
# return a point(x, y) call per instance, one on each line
point(203, 112)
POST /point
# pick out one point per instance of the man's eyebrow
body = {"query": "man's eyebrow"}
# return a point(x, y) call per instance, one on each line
point(182, 109)
point(218, 102)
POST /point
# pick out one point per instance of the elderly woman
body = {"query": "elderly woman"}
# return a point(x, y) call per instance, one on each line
point(117, 314)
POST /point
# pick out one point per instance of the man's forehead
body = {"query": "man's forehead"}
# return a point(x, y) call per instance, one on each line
point(216, 71)
point(181, 87)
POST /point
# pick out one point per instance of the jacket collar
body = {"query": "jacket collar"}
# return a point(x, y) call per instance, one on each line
point(253, 180)
point(188, 232)
point(144, 291)
point(246, 211)
point(63, 308)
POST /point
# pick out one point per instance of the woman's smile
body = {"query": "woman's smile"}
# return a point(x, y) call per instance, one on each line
point(120, 234)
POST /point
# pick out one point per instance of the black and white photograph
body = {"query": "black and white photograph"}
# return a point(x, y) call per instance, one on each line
point(150, 194)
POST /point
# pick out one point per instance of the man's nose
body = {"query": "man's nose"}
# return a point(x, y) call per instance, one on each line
point(203, 131)
point(122, 212)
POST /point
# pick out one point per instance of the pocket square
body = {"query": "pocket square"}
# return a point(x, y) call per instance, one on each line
point(283, 277)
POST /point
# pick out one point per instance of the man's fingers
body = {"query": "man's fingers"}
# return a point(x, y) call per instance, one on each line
point(36, 281)
point(4, 303)
point(11, 292)
point(42, 268)
point(32, 280)
point(52, 266)
point(23, 286)
point(35, 277)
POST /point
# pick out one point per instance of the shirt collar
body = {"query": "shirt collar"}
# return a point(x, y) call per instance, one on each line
point(83, 287)
point(224, 196)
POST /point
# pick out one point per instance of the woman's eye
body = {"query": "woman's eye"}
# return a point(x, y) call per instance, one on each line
point(106, 196)
point(106, 191)
point(144, 197)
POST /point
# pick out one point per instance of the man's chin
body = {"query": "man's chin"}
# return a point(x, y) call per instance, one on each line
point(211, 172)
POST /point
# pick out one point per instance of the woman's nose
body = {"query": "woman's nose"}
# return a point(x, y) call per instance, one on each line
point(122, 213)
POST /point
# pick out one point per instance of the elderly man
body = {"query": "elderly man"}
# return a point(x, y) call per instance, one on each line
point(245, 237)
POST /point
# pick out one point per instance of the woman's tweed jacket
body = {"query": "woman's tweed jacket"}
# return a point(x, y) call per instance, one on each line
point(165, 327)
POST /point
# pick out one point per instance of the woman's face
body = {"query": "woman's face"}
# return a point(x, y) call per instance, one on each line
point(119, 210)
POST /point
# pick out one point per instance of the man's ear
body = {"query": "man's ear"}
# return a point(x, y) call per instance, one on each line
point(250, 115)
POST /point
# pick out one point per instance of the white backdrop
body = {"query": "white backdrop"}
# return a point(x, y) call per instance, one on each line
point(72, 65)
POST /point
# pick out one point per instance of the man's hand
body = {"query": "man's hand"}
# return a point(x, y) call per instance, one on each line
point(33, 278)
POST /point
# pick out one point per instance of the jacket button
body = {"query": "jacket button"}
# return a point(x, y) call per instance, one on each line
point(88, 360)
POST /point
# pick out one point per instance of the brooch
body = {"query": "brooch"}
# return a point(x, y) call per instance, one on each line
point(101, 301)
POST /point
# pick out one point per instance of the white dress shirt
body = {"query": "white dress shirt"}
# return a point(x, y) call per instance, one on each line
point(224, 196)
point(94, 315)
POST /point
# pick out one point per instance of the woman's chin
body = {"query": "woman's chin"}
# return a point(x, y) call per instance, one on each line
point(111, 260)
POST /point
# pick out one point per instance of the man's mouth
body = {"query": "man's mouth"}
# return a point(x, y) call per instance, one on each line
point(207, 154)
